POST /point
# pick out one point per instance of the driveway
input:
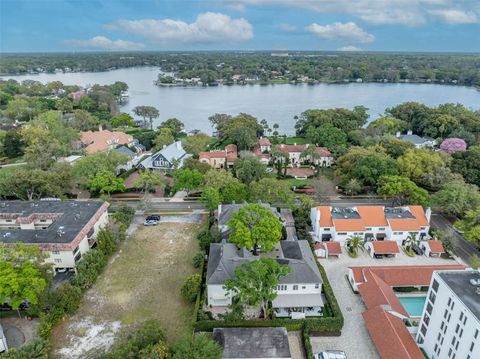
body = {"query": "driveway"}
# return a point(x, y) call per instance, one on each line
point(355, 340)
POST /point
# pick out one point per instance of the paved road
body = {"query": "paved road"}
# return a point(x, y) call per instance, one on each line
point(463, 248)
point(165, 206)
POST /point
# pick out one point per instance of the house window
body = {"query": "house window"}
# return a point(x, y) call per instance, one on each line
point(423, 330)
point(75, 251)
point(317, 285)
point(43, 220)
point(342, 233)
point(450, 301)
point(429, 308)
point(398, 233)
point(476, 334)
point(441, 327)
point(439, 336)
point(55, 252)
point(426, 320)
point(295, 287)
point(461, 333)
point(303, 287)
point(381, 229)
point(457, 328)
point(471, 346)
point(58, 260)
point(461, 316)
point(326, 229)
point(456, 346)
point(368, 228)
point(465, 320)
point(435, 285)
point(432, 297)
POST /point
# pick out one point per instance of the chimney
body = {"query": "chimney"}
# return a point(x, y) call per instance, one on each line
point(409, 132)
point(100, 128)
point(398, 134)
point(428, 214)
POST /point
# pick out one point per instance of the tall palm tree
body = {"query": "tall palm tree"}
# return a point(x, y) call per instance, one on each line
point(355, 243)
point(411, 241)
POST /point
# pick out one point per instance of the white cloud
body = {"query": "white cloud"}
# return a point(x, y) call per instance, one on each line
point(405, 12)
point(103, 43)
point(348, 31)
point(454, 16)
point(349, 48)
point(287, 27)
point(208, 27)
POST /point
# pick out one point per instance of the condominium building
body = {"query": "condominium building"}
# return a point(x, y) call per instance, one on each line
point(64, 230)
point(370, 222)
point(450, 323)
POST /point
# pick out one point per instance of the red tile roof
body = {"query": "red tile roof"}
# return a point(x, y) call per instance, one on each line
point(104, 140)
point(319, 245)
point(333, 247)
point(212, 154)
point(436, 246)
point(385, 247)
point(402, 276)
point(264, 141)
point(410, 224)
point(325, 216)
point(376, 292)
point(390, 335)
point(323, 152)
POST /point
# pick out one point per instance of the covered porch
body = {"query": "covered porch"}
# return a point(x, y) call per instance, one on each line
point(297, 306)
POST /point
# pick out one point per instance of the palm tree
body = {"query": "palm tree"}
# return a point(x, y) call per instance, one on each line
point(355, 243)
point(411, 241)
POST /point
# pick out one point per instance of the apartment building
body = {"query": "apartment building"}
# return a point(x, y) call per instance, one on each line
point(450, 323)
point(370, 222)
point(65, 230)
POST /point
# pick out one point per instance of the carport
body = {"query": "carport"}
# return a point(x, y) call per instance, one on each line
point(378, 249)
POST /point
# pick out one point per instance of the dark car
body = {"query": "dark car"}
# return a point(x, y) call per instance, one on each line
point(152, 220)
point(417, 250)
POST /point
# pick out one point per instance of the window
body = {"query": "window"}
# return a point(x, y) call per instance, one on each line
point(9, 220)
point(295, 287)
point(58, 260)
point(453, 305)
point(326, 229)
point(450, 301)
point(443, 324)
point(430, 308)
point(432, 297)
point(55, 252)
point(445, 313)
point(476, 334)
point(465, 320)
point(381, 229)
point(461, 333)
point(426, 320)
point(435, 285)
point(436, 347)
point(449, 317)
point(423, 330)
point(450, 352)
point(368, 228)
point(303, 287)
point(398, 233)
point(456, 346)
point(457, 328)
point(317, 285)
point(471, 346)
point(439, 336)
point(342, 233)
point(76, 250)
point(43, 220)
point(454, 340)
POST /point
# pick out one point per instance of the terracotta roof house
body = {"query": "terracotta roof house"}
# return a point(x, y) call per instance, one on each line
point(382, 248)
point(220, 158)
point(326, 249)
point(294, 154)
point(104, 140)
point(370, 222)
point(433, 248)
point(386, 318)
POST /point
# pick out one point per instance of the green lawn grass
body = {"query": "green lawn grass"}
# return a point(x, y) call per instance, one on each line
point(298, 140)
point(298, 182)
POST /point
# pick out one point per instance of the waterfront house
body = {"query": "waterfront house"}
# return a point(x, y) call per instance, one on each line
point(168, 158)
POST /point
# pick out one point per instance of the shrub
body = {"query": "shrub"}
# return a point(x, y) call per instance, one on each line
point(198, 259)
point(67, 297)
point(34, 349)
point(191, 287)
point(106, 241)
point(124, 214)
point(204, 237)
point(198, 347)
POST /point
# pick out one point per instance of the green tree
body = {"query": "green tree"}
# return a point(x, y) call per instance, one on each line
point(145, 112)
point(196, 143)
point(13, 145)
point(411, 241)
point(244, 137)
point(254, 283)
point(402, 191)
point(370, 168)
point(211, 198)
point(328, 136)
point(148, 180)
point(273, 191)
point(415, 163)
point(21, 277)
point(89, 166)
point(456, 197)
point(387, 126)
point(470, 224)
point(164, 138)
point(186, 180)
point(175, 125)
point(255, 227)
point(83, 121)
point(474, 261)
point(355, 243)
point(353, 187)
point(37, 348)
point(229, 188)
point(249, 169)
point(106, 182)
point(197, 347)
point(194, 164)
point(42, 149)
point(468, 164)
point(191, 287)
point(122, 120)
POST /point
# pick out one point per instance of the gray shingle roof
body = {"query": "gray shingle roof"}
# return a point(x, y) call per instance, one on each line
point(224, 258)
point(415, 139)
point(253, 342)
point(124, 150)
point(227, 210)
point(171, 152)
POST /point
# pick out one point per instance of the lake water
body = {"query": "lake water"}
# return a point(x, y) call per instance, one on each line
point(275, 103)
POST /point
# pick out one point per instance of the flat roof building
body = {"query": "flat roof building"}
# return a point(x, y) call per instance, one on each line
point(450, 324)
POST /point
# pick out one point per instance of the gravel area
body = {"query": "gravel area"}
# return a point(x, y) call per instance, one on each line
point(296, 345)
point(355, 340)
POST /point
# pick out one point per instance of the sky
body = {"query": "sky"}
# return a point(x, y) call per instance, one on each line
point(344, 25)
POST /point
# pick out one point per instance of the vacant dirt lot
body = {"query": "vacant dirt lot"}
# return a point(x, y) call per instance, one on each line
point(141, 282)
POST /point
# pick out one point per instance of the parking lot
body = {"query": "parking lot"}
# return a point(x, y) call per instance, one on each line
point(355, 340)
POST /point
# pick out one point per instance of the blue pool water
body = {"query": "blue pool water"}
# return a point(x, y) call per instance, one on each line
point(413, 305)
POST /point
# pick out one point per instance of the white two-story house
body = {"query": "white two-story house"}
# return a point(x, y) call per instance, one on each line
point(299, 293)
point(370, 222)
point(64, 230)
point(168, 158)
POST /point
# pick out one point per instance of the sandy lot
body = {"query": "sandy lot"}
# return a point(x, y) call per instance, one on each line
point(141, 282)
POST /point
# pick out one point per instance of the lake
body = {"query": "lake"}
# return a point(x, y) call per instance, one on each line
point(275, 103)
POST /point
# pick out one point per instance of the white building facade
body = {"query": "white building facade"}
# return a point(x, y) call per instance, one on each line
point(450, 324)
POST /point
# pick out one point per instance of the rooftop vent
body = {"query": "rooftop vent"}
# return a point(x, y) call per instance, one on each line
point(475, 282)
point(8, 234)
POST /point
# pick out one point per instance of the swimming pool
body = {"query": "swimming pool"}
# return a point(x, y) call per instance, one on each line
point(413, 305)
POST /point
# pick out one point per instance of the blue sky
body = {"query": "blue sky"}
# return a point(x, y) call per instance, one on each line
point(118, 25)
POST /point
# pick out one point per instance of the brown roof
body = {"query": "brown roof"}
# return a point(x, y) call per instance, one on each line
point(319, 245)
point(333, 247)
point(385, 247)
point(231, 148)
point(401, 276)
point(212, 154)
point(103, 140)
point(323, 152)
point(264, 141)
point(376, 292)
point(390, 336)
point(436, 246)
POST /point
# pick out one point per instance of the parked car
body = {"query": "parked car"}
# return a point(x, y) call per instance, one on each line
point(152, 220)
point(330, 354)
point(417, 250)
point(3, 342)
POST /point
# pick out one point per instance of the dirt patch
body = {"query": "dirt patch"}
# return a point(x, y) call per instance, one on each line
point(141, 282)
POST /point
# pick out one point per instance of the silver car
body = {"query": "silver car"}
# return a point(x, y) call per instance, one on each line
point(330, 354)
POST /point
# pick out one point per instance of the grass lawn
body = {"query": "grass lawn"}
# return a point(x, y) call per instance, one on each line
point(297, 140)
point(298, 182)
point(141, 282)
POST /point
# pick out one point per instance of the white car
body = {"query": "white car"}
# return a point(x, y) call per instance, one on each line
point(3, 342)
point(330, 354)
